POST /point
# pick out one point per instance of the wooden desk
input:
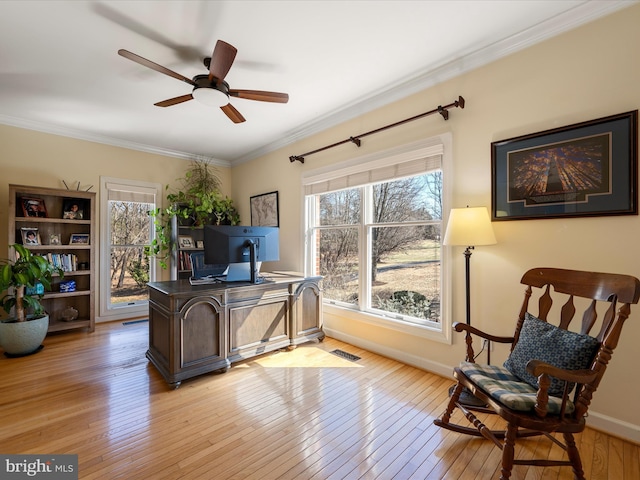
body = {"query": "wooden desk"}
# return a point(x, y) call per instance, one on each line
point(195, 329)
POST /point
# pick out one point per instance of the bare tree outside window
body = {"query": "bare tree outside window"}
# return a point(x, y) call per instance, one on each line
point(129, 267)
point(402, 234)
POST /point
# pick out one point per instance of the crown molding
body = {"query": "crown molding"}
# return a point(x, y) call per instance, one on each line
point(105, 140)
point(436, 74)
point(425, 78)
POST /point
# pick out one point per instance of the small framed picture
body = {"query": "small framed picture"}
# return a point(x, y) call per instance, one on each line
point(79, 239)
point(199, 244)
point(185, 241)
point(54, 239)
point(264, 210)
point(33, 207)
point(30, 236)
point(73, 208)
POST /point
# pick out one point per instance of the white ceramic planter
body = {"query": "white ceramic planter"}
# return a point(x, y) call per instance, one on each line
point(23, 338)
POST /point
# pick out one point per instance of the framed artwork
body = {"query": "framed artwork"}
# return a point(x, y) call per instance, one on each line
point(79, 239)
point(200, 244)
point(185, 241)
point(33, 207)
point(73, 208)
point(264, 210)
point(585, 169)
point(30, 236)
point(54, 239)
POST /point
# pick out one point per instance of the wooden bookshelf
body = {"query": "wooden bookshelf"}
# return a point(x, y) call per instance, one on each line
point(180, 260)
point(61, 233)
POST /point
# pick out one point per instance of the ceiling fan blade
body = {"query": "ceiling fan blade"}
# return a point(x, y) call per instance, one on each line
point(234, 115)
point(260, 95)
point(174, 101)
point(221, 60)
point(154, 66)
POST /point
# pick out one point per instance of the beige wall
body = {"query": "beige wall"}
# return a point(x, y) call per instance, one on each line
point(588, 73)
point(34, 158)
point(585, 74)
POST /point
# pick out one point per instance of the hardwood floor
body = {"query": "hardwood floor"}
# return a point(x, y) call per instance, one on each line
point(305, 414)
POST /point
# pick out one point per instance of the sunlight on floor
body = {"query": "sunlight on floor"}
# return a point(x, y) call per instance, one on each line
point(305, 357)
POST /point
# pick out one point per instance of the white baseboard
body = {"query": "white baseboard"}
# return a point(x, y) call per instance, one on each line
point(415, 361)
point(613, 426)
point(598, 421)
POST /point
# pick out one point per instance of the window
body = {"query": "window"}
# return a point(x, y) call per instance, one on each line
point(126, 228)
point(374, 233)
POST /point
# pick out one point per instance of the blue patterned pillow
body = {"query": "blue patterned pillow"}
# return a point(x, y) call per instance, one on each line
point(540, 340)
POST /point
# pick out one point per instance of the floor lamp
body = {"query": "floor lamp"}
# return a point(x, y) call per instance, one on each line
point(469, 227)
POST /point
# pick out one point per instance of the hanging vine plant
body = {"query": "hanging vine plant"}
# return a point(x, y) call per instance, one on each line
point(197, 202)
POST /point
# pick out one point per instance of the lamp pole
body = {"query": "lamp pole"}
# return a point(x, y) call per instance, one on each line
point(467, 258)
point(469, 227)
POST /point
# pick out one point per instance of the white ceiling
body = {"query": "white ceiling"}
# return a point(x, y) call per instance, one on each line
point(60, 71)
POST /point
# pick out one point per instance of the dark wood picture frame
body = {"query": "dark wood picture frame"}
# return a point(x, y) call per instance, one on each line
point(73, 208)
point(265, 211)
point(33, 207)
point(584, 169)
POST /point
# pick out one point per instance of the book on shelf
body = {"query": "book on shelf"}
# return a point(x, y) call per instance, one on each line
point(184, 260)
point(68, 262)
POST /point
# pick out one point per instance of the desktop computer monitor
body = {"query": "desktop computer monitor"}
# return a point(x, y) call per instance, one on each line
point(228, 244)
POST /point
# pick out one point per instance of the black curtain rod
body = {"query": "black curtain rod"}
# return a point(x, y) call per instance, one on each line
point(442, 110)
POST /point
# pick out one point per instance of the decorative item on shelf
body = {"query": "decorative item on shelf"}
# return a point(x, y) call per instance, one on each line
point(37, 289)
point(79, 239)
point(54, 239)
point(83, 266)
point(199, 244)
point(185, 241)
point(30, 236)
point(73, 208)
point(33, 207)
point(68, 286)
point(69, 314)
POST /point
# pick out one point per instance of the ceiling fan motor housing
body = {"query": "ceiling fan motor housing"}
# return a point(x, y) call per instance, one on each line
point(202, 81)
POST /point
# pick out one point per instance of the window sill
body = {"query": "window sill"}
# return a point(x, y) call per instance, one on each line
point(408, 328)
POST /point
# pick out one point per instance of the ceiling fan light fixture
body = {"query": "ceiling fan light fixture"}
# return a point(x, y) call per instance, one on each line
point(210, 96)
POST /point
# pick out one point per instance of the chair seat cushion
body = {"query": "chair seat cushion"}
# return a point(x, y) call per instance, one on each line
point(543, 341)
point(508, 389)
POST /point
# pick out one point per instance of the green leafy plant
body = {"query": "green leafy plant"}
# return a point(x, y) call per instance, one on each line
point(197, 202)
point(139, 271)
point(26, 271)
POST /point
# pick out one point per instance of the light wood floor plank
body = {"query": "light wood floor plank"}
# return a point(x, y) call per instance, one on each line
point(304, 415)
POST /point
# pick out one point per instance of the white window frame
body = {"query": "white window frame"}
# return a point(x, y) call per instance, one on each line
point(338, 174)
point(120, 312)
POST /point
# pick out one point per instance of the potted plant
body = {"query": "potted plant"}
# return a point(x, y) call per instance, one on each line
point(198, 202)
point(23, 282)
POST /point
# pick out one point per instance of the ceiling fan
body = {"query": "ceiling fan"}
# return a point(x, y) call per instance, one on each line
point(211, 89)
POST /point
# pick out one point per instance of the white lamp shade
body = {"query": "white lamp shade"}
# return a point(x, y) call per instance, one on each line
point(210, 96)
point(469, 227)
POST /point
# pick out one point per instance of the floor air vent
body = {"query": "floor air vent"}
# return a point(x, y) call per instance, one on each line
point(348, 356)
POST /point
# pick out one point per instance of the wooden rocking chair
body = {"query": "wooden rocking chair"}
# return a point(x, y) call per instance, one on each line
point(532, 391)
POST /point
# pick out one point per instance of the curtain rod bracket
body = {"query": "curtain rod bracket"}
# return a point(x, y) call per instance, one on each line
point(441, 110)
